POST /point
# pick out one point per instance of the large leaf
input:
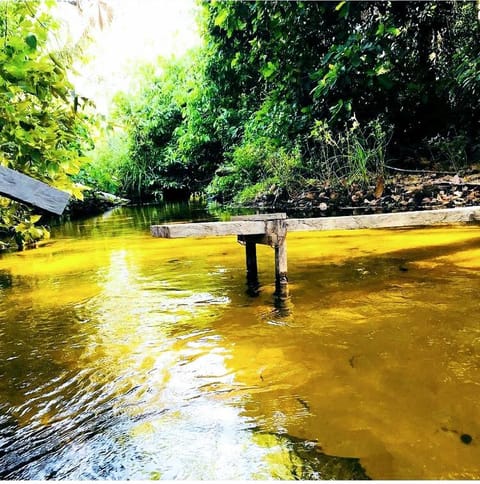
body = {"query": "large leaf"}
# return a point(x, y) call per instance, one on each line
point(268, 69)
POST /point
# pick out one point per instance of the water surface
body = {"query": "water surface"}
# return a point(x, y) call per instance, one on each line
point(128, 357)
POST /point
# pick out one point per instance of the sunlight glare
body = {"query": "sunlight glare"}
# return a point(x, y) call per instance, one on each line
point(141, 31)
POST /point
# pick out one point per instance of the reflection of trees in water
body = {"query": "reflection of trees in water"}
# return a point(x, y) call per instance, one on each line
point(5, 280)
point(121, 220)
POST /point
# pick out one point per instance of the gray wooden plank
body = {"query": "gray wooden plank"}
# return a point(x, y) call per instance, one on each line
point(260, 216)
point(387, 220)
point(257, 227)
point(208, 229)
point(25, 189)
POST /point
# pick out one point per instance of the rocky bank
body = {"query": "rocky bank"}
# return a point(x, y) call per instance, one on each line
point(397, 191)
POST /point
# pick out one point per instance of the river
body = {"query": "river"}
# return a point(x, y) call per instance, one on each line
point(128, 357)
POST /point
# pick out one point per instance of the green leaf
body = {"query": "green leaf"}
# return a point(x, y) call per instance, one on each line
point(268, 69)
point(335, 110)
point(241, 25)
point(394, 31)
point(221, 17)
point(236, 59)
point(31, 41)
point(382, 69)
point(343, 8)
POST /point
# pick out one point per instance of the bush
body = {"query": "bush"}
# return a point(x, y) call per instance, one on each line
point(44, 127)
point(107, 160)
point(251, 193)
point(450, 150)
point(353, 155)
point(283, 169)
point(256, 167)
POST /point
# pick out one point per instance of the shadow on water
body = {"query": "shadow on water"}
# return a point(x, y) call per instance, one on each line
point(307, 462)
point(421, 253)
point(5, 280)
point(393, 267)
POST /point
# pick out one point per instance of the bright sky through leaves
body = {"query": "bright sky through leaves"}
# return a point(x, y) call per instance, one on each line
point(141, 30)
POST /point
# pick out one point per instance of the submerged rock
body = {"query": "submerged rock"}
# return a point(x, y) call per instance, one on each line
point(466, 438)
point(294, 458)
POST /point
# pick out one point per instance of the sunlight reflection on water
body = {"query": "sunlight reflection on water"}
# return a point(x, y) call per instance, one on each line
point(126, 357)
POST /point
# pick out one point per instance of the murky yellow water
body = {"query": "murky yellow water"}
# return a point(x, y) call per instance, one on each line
point(124, 356)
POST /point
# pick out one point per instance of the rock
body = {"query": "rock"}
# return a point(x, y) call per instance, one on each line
point(466, 438)
point(401, 191)
point(456, 180)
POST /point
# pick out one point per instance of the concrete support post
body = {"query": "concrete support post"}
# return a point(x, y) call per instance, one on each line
point(274, 235)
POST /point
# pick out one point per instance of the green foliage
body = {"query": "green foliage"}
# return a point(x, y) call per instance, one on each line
point(283, 92)
point(404, 60)
point(42, 134)
point(354, 155)
point(102, 171)
point(359, 66)
point(244, 170)
point(17, 225)
point(414, 63)
point(449, 150)
point(251, 193)
point(151, 117)
point(259, 167)
point(173, 150)
point(464, 68)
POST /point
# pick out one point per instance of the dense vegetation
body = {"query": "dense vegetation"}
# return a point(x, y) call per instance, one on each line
point(286, 95)
point(281, 97)
point(42, 130)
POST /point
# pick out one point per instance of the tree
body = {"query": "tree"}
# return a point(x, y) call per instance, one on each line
point(172, 146)
point(282, 67)
point(43, 132)
point(248, 107)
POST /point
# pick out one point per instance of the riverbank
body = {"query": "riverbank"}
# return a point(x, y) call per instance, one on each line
point(403, 190)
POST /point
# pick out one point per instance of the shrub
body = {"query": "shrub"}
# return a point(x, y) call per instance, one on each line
point(353, 155)
point(256, 167)
point(106, 162)
point(450, 150)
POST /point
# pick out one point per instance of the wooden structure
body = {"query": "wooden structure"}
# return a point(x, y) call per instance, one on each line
point(25, 189)
point(271, 229)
